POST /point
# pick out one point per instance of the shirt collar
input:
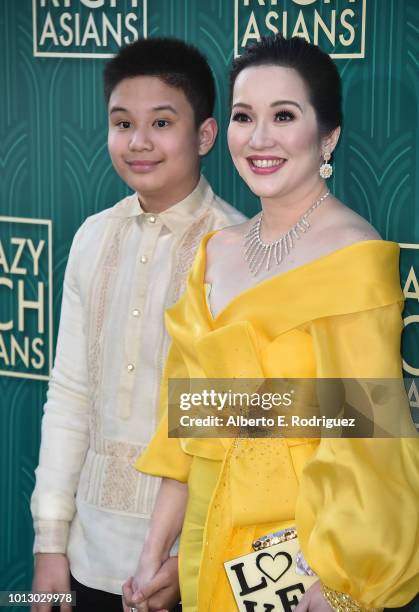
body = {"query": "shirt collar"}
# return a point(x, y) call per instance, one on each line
point(178, 217)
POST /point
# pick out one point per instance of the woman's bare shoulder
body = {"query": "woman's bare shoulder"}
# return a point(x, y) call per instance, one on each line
point(347, 227)
point(228, 237)
point(224, 245)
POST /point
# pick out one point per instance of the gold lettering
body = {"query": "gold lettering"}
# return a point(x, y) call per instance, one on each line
point(48, 31)
point(20, 246)
point(348, 26)
point(24, 304)
point(3, 259)
point(284, 23)
point(411, 281)
point(130, 17)
point(260, 2)
point(15, 349)
point(37, 364)
point(77, 28)
point(7, 283)
point(55, 3)
point(3, 353)
point(252, 30)
point(108, 27)
point(91, 32)
point(66, 42)
point(271, 15)
point(410, 369)
point(413, 395)
point(93, 4)
point(318, 22)
point(303, 33)
point(36, 253)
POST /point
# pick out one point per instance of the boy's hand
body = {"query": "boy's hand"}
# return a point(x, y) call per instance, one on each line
point(52, 574)
point(153, 592)
point(132, 596)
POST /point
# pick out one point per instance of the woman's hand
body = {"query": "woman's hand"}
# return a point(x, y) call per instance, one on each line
point(154, 587)
point(155, 583)
point(313, 600)
point(132, 589)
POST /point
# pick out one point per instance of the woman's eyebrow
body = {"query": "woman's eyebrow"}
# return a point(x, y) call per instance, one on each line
point(241, 104)
point(279, 102)
point(276, 103)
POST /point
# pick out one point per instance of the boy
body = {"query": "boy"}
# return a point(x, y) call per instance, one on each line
point(128, 263)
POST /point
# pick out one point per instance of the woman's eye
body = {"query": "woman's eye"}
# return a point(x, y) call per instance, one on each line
point(161, 123)
point(240, 117)
point(124, 124)
point(284, 115)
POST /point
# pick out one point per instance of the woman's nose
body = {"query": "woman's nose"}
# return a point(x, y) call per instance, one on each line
point(261, 137)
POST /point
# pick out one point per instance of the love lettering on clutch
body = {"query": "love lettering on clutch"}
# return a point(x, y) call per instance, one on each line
point(272, 579)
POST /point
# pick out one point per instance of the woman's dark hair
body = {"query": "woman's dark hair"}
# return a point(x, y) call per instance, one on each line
point(174, 62)
point(315, 67)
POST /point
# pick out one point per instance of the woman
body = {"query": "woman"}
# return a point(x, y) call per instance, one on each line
point(306, 289)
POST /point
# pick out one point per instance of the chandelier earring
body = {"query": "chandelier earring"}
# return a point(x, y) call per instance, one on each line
point(326, 169)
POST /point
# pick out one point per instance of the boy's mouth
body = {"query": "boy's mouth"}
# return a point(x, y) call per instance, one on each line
point(265, 164)
point(142, 165)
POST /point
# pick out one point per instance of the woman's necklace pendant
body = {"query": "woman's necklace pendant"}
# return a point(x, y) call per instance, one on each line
point(258, 253)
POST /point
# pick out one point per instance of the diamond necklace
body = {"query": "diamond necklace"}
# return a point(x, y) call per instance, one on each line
point(258, 252)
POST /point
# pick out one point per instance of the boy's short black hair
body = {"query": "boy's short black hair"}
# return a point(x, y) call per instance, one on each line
point(173, 61)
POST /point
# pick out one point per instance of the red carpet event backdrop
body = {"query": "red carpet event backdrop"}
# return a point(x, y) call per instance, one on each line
point(55, 170)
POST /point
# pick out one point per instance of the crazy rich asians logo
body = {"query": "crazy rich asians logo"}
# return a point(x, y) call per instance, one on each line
point(25, 298)
point(86, 28)
point(338, 26)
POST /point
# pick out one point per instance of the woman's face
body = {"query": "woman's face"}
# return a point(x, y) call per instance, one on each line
point(273, 134)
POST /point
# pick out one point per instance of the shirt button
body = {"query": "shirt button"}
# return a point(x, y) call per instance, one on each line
point(130, 367)
point(136, 312)
point(144, 259)
point(152, 219)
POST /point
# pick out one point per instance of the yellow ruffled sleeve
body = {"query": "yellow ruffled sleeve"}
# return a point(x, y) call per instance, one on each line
point(164, 456)
point(357, 509)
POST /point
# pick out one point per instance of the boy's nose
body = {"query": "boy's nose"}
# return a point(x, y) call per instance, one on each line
point(140, 141)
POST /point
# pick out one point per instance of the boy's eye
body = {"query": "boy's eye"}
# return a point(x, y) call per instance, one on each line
point(161, 123)
point(284, 115)
point(124, 124)
point(240, 117)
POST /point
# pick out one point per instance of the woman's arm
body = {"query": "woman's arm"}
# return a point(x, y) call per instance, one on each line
point(153, 573)
point(167, 519)
point(356, 511)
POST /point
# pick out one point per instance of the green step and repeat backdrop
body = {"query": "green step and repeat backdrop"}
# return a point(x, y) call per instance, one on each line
point(55, 169)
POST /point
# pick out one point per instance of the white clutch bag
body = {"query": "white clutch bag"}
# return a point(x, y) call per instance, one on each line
point(274, 577)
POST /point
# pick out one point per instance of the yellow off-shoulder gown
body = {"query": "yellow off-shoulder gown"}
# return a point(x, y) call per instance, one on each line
point(354, 501)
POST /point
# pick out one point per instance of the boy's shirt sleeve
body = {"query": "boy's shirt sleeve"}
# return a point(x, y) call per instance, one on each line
point(65, 424)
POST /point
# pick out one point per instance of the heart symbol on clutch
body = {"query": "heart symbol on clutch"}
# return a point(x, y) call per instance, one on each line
point(272, 564)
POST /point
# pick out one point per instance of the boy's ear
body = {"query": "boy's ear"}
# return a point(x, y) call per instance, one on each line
point(207, 134)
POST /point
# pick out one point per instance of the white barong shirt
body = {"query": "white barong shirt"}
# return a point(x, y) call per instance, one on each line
point(125, 268)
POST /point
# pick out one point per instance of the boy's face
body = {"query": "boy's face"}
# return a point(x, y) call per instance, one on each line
point(153, 141)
